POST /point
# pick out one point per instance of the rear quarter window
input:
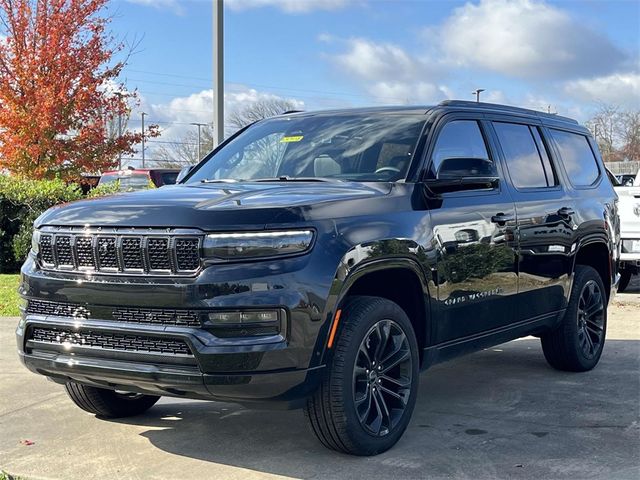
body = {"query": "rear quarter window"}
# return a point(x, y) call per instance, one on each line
point(577, 157)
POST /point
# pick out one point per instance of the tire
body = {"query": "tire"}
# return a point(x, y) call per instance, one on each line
point(625, 278)
point(576, 344)
point(335, 417)
point(109, 403)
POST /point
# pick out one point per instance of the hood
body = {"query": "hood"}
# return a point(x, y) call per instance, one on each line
point(213, 206)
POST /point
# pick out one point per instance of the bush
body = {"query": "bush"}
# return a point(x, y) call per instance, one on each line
point(21, 202)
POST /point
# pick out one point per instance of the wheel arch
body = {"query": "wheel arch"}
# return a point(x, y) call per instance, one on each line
point(401, 280)
point(595, 252)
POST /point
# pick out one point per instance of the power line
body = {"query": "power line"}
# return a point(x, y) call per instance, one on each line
point(250, 84)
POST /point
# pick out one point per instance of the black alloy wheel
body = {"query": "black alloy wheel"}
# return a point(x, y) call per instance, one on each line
point(590, 319)
point(382, 377)
point(576, 344)
point(370, 384)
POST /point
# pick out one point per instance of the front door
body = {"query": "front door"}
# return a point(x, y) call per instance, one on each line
point(473, 230)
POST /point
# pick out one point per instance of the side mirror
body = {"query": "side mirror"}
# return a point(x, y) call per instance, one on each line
point(455, 174)
point(183, 173)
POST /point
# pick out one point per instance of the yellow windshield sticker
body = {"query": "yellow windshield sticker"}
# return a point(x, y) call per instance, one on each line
point(291, 139)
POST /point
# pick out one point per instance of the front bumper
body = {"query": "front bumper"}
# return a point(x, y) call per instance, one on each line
point(244, 370)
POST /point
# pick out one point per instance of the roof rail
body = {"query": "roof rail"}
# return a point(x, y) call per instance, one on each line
point(504, 108)
point(289, 112)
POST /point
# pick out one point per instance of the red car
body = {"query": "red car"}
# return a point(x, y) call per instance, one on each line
point(139, 178)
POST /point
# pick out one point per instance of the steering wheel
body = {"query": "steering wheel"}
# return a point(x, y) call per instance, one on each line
point(388, 169)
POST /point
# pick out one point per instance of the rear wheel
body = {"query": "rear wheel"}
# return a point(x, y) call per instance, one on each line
point(109, 403)
point(625, 278)
point(576, 345)
point(365, 401)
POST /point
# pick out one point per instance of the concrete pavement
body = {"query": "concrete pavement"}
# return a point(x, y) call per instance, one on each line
point(500, 413)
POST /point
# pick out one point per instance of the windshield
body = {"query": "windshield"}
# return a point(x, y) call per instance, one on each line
point(361, 147)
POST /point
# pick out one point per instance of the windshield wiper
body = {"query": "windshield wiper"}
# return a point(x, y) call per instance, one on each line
point(287, 178)
point(219, 180)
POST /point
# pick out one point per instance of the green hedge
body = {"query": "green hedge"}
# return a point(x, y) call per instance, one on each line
point(21, 202)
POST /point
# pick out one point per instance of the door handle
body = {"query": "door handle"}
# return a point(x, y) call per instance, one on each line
point(502, 218)
point(566, 212)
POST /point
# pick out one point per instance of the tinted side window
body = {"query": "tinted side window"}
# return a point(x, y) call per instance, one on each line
point(552, 179)
point(459, 139)
point(577, 157)
point(523, 156)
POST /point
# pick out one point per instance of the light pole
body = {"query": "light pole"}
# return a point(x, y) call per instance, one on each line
point(477, 94)
point(218, 72)
point(119, 95)
point(143, 115)
point(199, 125)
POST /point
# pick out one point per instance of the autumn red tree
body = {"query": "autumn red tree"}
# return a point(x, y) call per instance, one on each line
point(59, 89)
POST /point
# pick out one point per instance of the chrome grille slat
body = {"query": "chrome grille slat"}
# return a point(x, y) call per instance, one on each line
point(126, 251)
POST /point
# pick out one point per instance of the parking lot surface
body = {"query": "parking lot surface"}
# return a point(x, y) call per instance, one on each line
point(499, 413)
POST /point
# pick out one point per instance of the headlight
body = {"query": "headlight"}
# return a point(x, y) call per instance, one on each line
point(35, 241)
point(239, 246)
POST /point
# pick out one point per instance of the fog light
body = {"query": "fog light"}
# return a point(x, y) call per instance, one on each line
point(246, 323)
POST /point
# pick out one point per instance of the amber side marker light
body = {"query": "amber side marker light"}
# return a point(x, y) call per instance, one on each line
point(334, 327)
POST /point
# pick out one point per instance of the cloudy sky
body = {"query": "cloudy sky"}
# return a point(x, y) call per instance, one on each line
point(567, 55)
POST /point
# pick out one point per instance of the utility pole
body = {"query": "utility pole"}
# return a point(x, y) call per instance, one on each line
point(143, 115)
point(199, 125)
point(218, 72)
point(477, 94)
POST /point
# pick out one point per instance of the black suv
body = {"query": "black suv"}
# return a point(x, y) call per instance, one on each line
point(322, 260)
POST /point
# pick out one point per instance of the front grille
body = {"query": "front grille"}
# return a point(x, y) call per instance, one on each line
point(159, 254)
point(46, 249)
point(131, 252)
point(65, 253)
point(187, 254)
point(58, 309)
point(84, 252)
point(109, 341)
point(107, 253)
point(161, 316)
point(150, 316)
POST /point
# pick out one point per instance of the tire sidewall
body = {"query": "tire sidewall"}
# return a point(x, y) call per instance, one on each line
point(384, 310)
point(584, 275)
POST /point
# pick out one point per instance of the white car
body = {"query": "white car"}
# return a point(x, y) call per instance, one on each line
point(629, 211)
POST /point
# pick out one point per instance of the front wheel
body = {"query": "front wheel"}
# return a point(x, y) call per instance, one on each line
point(366, 398)
point(576, 345)
point(109, 403)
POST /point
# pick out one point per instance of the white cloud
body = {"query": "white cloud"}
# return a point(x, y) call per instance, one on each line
point(175, 116)
point(389, 73)
point(526, 39)
point(621, 89)
point(173, 5)
point(291, 6)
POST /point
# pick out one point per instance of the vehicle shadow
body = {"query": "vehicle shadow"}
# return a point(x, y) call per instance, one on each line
point(498, 413)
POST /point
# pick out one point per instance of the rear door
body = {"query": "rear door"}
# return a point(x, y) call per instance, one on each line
point(545, 212)
point(473, 234)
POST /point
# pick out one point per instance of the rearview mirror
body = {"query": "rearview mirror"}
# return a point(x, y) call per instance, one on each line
point(456, 174)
